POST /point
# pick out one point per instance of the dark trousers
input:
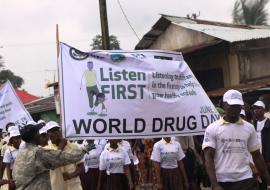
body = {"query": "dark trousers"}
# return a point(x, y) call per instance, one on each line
point(263, 186)
point(247, 184)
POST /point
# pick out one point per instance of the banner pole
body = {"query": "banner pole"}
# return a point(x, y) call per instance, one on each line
point(58, 54)
point(57, 42)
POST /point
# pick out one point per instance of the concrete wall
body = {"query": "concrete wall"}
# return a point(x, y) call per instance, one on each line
point(233, 68)
point(176, 37)
point(254, 64)
point(209, 61)
point(240, 62)
point(216, 57)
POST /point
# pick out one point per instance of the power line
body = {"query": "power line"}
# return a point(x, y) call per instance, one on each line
point(128, 20)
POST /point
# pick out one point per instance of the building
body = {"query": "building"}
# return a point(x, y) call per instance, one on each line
point(47, 109)
point(43, 108)
point(24, 96)
point(221, 55)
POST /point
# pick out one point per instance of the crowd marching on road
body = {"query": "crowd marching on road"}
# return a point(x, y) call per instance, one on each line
point(232, 155)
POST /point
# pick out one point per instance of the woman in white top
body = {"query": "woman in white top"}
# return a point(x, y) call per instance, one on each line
point(114, 168)
point(11, 154)
point(90, 176)
point(167, 156)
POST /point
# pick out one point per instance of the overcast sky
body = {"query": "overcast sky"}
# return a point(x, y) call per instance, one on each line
point(27, 29)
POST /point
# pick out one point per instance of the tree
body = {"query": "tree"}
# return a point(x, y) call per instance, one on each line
point(1, 62)
point(97, 43)
point(251, 12)
point(15, 80)
point(6, 74)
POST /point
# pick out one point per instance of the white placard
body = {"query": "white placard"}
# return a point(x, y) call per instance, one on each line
point(11, 107)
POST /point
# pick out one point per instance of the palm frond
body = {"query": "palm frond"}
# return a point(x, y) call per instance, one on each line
point(250, 12)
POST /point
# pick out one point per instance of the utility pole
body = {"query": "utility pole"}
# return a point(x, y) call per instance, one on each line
point(104, 25)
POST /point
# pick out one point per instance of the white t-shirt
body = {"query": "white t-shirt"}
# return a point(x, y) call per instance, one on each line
point(10, 156)
point(101, 142)
point(22, 145)
point(91, 160)
point(232, 142)
point(113, 161)
point(167, 154)
point(124, 145)
point(260, 126)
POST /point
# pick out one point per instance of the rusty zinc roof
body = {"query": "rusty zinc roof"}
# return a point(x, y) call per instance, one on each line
point(228, 34)
point(243, 87)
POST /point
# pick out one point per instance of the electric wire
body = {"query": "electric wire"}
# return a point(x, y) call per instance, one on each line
point(123, 12)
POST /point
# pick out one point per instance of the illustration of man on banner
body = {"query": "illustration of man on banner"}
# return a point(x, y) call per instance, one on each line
point(94, 96)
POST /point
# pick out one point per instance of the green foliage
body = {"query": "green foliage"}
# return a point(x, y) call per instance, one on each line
point(6, 74)
point(15, 80)
point(97, 43)
point(251, 12)
point(1, 62)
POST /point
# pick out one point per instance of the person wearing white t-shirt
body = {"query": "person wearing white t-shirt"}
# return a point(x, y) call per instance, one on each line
point(101, 143)
point(125, 145)
point(226, 144)
point(167, 155)
point(262, 126)
point(90, 176)
point(11, 154)
point(114, 168)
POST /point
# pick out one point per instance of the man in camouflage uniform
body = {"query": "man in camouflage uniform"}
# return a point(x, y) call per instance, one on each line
point(33, 163)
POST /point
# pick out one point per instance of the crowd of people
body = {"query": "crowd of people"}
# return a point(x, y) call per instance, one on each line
point(232, 155)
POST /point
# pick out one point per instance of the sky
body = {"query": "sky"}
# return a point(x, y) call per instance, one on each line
point(28, 29)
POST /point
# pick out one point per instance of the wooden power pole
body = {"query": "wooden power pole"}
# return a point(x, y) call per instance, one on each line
point(104, 25)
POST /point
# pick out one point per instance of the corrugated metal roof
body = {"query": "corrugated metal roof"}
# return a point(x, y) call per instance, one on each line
point(41, 105)
point(227, 33)
point(224, 31)
point(243, 87)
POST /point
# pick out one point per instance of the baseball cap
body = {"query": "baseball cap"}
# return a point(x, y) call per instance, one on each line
point(233, 97)
point(43, 130)
point(12, 128)
point(14, 132)
point(243, 112)
point(52, 124)
point(259, 104)
point(41, 122)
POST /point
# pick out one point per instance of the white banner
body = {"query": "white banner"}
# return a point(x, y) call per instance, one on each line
point(11, 107)
point(136, 94)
